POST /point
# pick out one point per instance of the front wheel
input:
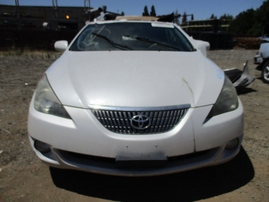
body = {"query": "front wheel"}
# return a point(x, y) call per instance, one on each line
point(265, 72)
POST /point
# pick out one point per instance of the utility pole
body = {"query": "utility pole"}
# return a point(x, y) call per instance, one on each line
point(55, 13)
point(87, 10)
point(18, 13)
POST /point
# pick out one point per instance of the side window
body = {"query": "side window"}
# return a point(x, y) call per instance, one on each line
point(170, 37)
point(181, 41)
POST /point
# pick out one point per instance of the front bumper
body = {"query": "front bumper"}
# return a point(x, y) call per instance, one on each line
point(69, 160)
point(258, 59)
point(84, 144)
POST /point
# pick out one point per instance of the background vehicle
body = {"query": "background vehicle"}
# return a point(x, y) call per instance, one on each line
point(262, 59)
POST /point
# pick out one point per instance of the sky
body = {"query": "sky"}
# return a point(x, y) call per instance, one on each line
point(201, 9)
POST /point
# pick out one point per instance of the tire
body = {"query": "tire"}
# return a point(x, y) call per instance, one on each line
point(265, 72)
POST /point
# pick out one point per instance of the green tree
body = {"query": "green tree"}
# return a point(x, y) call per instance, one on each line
point(122, 13)
point(213, 17)
point(226, 17)
point(261, 17)
point(146, 12)
point(152, 11)
point(243, 22)
point(252, 22)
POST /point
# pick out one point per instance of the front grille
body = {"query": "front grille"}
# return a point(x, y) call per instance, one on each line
point(140, 120)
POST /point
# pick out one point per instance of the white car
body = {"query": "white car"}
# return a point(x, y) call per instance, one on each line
point(262, 60)
point(134, 98)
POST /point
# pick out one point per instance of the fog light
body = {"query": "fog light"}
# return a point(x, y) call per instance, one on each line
point(41, 146)
point(232, 144)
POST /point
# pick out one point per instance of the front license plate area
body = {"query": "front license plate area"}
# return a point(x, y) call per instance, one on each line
point(141, 161)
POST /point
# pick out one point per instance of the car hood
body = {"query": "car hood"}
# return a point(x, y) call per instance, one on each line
point(135, 79)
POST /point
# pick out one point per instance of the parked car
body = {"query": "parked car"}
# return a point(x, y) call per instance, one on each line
point(262, 60)
point(134, 98)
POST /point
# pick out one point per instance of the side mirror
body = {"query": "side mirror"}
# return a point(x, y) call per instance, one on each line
point(61, 45)
point(203, 46)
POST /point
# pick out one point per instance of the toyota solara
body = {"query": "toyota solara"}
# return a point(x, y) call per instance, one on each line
point(134, 98)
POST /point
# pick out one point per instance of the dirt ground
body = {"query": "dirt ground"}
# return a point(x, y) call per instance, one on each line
point(24, 178)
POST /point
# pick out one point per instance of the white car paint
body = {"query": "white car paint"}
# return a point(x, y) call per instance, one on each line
point(129, 80)
point(85, 80)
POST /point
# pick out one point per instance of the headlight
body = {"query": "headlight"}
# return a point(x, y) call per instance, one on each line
point(227, 100)
point(46, 101)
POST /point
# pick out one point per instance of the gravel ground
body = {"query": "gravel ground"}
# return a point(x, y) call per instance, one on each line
point(24, 178)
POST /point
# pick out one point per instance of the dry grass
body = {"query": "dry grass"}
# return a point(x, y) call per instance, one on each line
point(248, 42)
point(31, 54)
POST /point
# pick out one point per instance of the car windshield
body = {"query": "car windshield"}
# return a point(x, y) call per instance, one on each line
point(131, 36)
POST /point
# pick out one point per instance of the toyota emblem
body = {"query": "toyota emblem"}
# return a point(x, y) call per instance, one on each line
point(140, 122)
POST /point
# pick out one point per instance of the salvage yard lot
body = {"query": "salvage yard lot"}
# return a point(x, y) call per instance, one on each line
point(24, 178)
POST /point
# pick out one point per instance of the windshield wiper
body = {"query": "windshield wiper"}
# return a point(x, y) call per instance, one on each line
point(111, 42)
point(144, 39)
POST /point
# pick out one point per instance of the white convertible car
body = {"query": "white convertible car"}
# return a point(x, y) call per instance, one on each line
point(134, 98)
